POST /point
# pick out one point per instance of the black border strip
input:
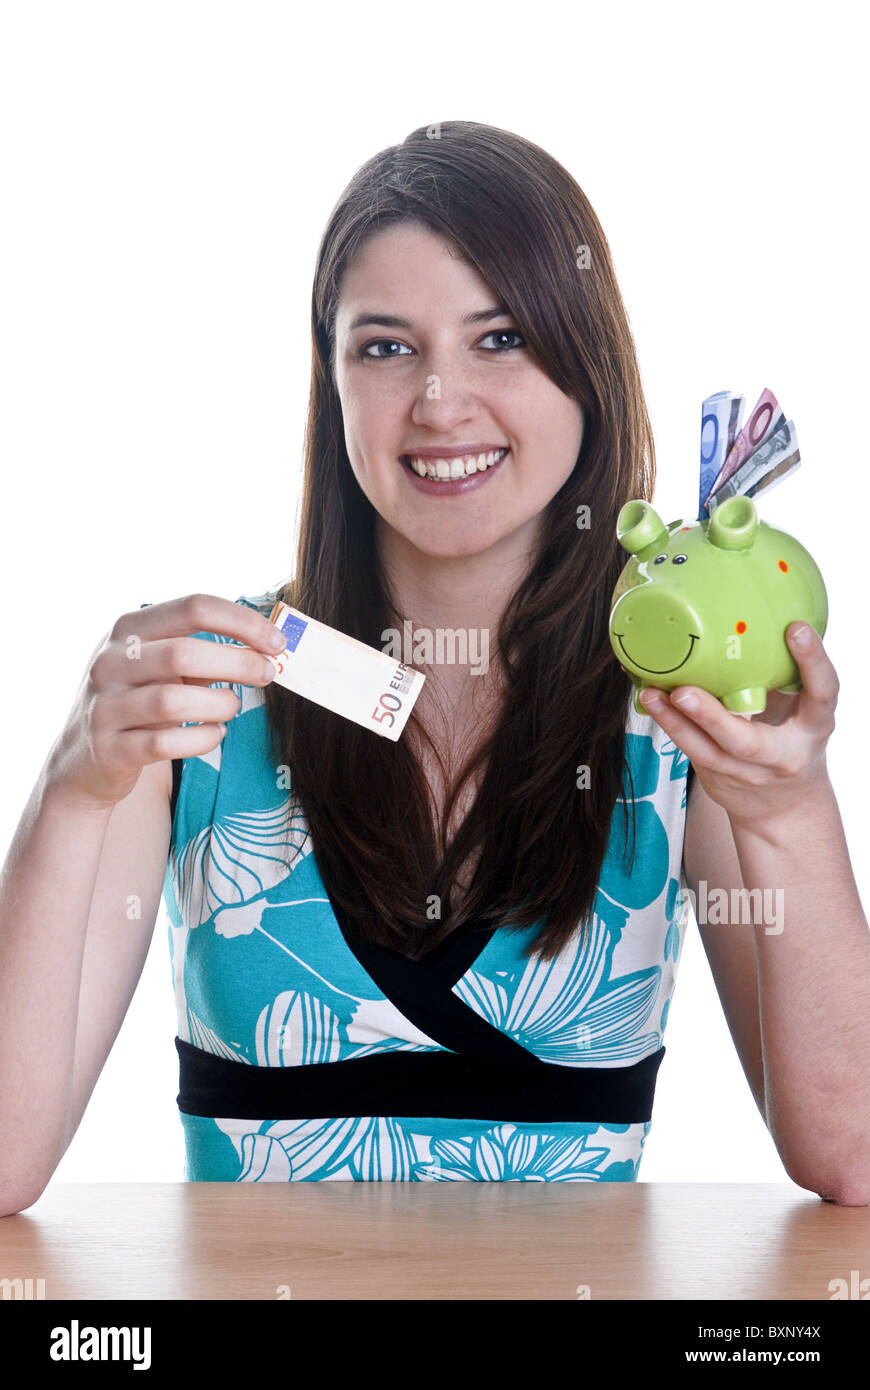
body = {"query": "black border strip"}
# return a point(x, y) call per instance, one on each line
point(432, 1084)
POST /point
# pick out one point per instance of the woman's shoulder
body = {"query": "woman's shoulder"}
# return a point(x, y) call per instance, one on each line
point(650, 751)
point(643, 724)
point(263, 602)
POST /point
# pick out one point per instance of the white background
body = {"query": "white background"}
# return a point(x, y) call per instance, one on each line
point(166, 173)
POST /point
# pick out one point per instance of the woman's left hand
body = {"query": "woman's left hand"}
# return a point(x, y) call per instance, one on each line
point(763, 768)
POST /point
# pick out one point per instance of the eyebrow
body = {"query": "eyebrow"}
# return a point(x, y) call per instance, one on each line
point(391, 320)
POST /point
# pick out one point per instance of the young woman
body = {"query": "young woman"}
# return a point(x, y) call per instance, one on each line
point(449, 957)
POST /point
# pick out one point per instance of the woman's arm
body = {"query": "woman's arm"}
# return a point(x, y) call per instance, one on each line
point(710, 865)
point(70, 958)
point(812, 939)
point(800, 1054)
point(814, 979)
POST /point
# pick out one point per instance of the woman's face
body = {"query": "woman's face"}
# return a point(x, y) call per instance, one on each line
point(435, 382)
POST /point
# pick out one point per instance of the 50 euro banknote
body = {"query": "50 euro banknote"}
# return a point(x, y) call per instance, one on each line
point(344, 675)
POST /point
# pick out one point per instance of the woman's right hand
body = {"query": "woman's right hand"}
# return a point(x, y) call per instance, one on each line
point(147, 677)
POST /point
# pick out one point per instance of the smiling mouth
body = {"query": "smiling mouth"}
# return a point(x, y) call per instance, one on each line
point(666, 671)
point(448, 470)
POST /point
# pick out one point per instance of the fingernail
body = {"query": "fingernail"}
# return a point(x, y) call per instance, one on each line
point(801, 636)
point(651, 698)
point(279, 641)
point(687, 701)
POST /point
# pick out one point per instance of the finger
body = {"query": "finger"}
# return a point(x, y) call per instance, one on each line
point(183, 617)
point(818, 698)
point(708, 734)
point(187, 661)
point(141, 747)
point(164, 706)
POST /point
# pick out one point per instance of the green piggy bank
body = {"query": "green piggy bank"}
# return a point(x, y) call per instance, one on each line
point(708, 602)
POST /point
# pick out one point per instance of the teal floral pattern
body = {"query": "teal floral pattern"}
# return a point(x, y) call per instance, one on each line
point(263, 976)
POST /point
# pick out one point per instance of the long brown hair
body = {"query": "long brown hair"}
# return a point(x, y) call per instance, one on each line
point(520, 219)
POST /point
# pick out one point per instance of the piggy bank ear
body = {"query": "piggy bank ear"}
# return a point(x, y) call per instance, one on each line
point(733, 524)
point(638, 526)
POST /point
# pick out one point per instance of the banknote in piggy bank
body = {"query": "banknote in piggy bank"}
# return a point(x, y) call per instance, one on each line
point(708, 602)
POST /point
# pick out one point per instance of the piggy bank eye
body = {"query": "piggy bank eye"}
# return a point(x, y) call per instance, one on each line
point(659, 558)
point(679, 559)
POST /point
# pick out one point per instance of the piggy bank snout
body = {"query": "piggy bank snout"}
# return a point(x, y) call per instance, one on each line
point(656, 630)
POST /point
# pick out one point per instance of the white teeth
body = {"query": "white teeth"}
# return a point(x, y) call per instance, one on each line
point(456, 467)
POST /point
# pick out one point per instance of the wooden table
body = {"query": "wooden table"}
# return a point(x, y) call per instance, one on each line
point(451, 1240)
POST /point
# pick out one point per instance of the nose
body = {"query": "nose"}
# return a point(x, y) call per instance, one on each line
point(446, 397)
point(655, 627)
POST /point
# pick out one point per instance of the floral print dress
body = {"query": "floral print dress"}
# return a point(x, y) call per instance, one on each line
point(306, 1053)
